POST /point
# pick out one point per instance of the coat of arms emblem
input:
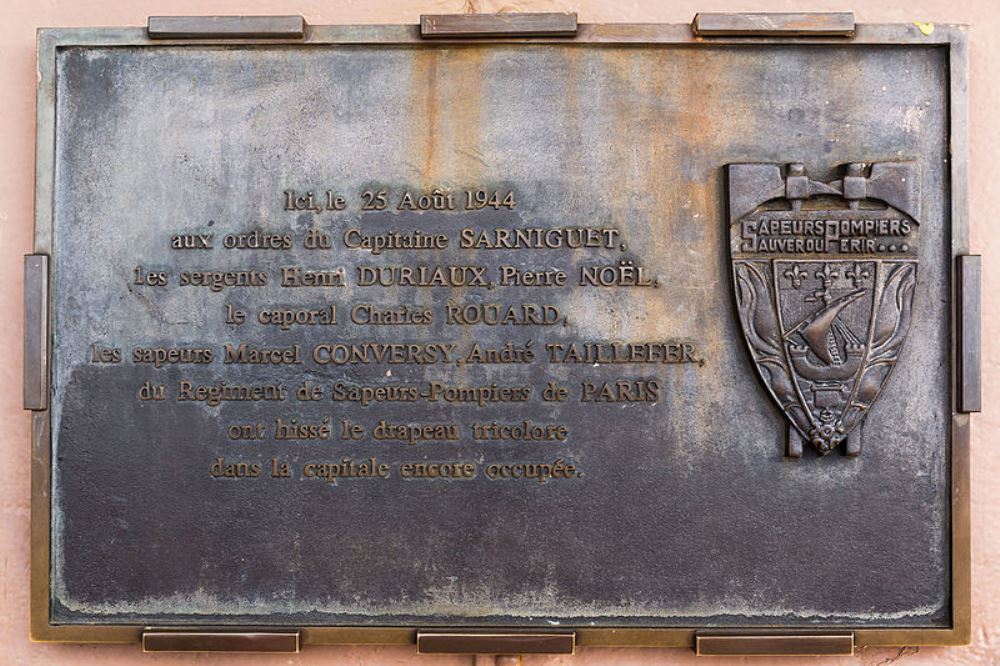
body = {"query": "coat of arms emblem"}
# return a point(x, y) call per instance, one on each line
point(824, 275)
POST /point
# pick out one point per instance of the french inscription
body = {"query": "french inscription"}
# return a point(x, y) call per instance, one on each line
point(412, 253)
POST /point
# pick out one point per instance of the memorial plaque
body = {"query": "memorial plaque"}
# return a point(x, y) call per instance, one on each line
point(613, 334)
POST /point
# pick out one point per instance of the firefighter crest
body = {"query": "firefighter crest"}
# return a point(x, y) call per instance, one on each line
point(824, 275)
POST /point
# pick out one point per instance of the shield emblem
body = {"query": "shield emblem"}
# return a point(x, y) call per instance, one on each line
point(824, 275)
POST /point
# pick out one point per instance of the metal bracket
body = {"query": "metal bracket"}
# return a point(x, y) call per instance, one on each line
point(777, 24)
point(167, 640)
point(539, 24)
point(36, 332)
point(774, 645)
point(969, 270)
point(226, 27)
point(505, 643)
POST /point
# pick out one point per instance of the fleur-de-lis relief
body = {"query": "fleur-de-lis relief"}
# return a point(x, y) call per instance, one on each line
point(859, 274)
point(796, 274)
point(826, 276)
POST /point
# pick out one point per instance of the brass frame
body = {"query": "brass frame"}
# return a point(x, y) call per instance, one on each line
point(953, 38)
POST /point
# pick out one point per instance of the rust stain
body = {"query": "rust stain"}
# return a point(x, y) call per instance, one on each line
point(465, 133)
point(448, 128)
point(464, 112)
point(431, 112)
point(447, 136)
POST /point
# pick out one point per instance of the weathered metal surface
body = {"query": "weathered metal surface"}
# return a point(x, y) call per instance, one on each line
point(220, 641)
point(774, 24)
point(970, 333)
point(815, 645)
point(442, 26)
point(36, 332)
point(471, 642)
point(669, 144)
point(225, 27)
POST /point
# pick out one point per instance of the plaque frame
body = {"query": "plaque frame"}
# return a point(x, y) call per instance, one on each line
point(964, 371)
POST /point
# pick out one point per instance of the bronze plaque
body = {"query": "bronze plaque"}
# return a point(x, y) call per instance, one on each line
point(606, 329)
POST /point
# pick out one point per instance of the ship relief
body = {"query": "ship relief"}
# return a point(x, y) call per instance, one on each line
point(824, 275)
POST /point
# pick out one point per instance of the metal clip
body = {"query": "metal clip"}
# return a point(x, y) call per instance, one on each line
point(226, 27)
point(482, 642)
point(818, 24)
point(969, 271)
point(540, 24)
point(36, 332)
point(774, 645)
point(167, 640)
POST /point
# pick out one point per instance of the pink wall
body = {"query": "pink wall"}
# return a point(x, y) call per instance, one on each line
point(18, 20)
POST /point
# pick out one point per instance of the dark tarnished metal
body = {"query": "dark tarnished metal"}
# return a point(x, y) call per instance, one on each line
point(36, 332)
point(226, 27)
point(774, 24)
point(969, 331)
point(542, 24)
point(770, 645)
point(643, 153)
point(485, 642)
point(167, 640)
